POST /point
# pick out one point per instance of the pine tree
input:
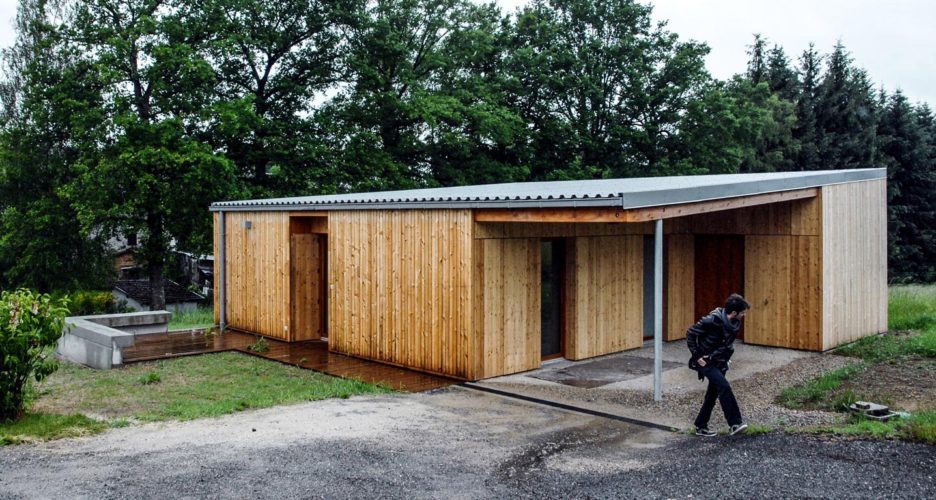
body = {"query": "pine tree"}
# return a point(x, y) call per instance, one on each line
point(846, 115)
point(780, 76)
point(757, 62)
point(805, 132)
point(907, 152)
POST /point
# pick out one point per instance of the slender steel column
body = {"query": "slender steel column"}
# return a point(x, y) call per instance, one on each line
point(222, 268)
point(658, 313)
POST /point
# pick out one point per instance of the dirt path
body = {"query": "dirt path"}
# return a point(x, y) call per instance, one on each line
point(450, 444)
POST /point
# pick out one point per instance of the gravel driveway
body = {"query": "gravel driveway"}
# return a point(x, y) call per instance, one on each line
point(454, 443)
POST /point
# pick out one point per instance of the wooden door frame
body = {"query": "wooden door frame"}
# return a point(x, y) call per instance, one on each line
point(563, 292)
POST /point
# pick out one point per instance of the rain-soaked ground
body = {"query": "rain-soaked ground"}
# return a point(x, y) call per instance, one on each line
point(453, 443)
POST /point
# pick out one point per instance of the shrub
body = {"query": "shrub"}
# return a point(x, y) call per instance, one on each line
point(87, 302)
point(30, 324)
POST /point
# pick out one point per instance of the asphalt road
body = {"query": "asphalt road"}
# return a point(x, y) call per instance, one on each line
point(453, 444)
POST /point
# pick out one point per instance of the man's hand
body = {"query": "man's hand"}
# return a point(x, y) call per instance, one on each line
point(701, 361)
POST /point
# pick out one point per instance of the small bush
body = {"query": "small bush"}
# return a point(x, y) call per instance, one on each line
point(150, 378)
point(89, 302)
point(260, 346)
point(30, 325)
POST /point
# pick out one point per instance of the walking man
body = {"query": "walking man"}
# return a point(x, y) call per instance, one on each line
point(711, 343)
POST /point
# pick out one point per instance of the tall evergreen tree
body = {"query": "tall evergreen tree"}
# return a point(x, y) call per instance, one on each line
point(911, 184)
point(806, 132)
point(780, 76)
point(845, 115)
point(757, 68)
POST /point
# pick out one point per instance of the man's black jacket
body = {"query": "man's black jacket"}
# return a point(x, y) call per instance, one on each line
point(713, 336)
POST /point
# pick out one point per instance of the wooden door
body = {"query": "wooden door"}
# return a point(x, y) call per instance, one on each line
point(719, 272)
point(308, 264)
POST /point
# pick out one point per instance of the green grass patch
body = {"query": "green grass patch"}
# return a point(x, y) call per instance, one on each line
point(201, 317)
point(35, 427)
point(919, 427)
point(911, 307)
point(188, 388)
point(816, 394)
point(755, 430)
point(912, 323)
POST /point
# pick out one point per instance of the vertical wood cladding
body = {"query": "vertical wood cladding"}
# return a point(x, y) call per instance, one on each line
point(400, 288)
point(510, 305)
point(854, 255)
point(605, 296)
point(257, 272)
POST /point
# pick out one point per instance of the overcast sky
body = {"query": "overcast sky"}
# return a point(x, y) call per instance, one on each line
point(893, 39)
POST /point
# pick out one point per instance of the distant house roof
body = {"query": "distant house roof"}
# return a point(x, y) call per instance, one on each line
point(624, 193)
point(139, 290)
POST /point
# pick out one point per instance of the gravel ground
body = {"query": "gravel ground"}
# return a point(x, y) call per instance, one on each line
point(755, 390)
point(453, 443)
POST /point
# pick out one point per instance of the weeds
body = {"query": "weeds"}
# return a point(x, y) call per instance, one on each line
point(260, 345)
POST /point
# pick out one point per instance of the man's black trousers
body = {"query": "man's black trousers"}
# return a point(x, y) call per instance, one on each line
point(720, 389)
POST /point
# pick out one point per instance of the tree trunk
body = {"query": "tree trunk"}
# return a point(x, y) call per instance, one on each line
point(156, 258)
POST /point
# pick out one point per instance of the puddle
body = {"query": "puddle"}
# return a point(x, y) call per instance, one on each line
point(601, 372)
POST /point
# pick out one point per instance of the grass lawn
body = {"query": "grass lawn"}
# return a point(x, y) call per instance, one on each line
point(202, 317)
point(186, 388)
point(897, 369)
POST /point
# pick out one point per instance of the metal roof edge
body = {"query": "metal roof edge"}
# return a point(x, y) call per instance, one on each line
point(677, 196)
point(642, 199)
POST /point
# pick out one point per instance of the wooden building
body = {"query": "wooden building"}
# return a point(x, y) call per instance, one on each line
point(479, 281)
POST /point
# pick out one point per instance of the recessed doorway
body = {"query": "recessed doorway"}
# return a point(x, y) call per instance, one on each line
point(552, 273)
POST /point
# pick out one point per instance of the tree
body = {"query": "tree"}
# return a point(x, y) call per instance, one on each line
point(907, 148)
point(45, 122)
point(273, 61)
point(780, 76)
point(846, 115)
point(757, 70)
point(426, 101)
point(602, 89)
point(806, 132)
point(147, 172)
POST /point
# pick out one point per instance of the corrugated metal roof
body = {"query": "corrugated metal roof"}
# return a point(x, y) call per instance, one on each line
point(625, 193)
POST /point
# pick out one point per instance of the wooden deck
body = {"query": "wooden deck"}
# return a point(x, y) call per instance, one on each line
point(311, 355)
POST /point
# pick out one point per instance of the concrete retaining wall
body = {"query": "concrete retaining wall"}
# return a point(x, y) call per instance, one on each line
point(96, 341)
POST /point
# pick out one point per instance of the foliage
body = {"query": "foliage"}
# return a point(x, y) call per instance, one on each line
point(89, 302)
point(201, 317)
point(34, 427)
point(815, 393)
point(30, 325)
point(603, 88)
point(261, 345)
point(190, 387)
point(150, 378)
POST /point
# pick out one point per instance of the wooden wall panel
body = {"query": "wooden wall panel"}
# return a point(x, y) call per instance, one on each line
point(400, 288)
point(679, 282)
point(510, 305)
point(606, 296)
point(257, 272)
point(783, 284)
point(854, 257)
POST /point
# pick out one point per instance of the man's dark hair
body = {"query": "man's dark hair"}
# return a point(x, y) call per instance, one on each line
point(736, 303)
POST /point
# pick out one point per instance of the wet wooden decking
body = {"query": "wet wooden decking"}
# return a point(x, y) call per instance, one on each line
point(311, 355)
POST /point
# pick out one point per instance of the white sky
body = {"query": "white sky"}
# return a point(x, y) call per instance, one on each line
point(893, 39)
